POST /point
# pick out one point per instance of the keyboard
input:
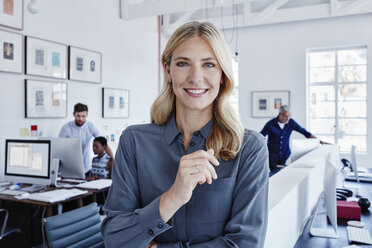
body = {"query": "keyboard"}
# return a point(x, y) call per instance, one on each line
point(56, 195)
point(358, 235)
point(12, 192)
point(362, 176)
point(96, 184)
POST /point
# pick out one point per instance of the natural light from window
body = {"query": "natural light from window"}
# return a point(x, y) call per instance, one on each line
point(337, 81)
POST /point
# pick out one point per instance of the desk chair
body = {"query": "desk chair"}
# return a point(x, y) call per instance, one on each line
point(4, 231)
point(80, 228)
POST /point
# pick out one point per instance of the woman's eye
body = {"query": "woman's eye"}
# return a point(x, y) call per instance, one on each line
point(209, 64)
point(181, 64)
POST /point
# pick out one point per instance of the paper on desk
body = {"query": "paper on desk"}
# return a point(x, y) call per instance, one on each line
point(351, 246)
point(95, 184)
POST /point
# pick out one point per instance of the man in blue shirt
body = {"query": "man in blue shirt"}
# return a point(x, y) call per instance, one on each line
point(279, 130)
point(83, 129)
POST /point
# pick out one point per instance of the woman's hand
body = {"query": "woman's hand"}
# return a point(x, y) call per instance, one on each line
point(195, 168)
point(152, 244)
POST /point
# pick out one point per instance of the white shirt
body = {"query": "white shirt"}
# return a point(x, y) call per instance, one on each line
point(85, 132)
point(281, 125)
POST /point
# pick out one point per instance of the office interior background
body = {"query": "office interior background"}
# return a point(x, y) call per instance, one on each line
point(272, 56)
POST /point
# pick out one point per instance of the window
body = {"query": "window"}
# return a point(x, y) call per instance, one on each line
point(235, 93)
point(337, 81)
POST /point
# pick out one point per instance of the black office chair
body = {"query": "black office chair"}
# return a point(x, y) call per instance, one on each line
point(4, 231)
point(77, 228)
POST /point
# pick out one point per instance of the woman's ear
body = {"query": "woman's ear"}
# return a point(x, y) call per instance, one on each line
point(167, 71)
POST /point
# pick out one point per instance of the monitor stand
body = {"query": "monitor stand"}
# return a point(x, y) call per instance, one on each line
point(33, 188)
point(324, 232)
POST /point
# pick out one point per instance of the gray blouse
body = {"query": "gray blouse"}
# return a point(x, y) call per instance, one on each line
point(230, 212)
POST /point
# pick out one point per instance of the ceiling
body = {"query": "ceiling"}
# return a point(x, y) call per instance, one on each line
point(228, 14)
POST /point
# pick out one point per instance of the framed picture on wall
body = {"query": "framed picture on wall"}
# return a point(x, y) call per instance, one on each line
point(46, 58)
point(11, 58)
point(267, 103)
point(11, 13)
point(115, 103)
point(85, 65)
point(45, 99)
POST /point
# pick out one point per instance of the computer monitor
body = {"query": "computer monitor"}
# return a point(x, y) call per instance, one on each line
point(69, 152)
point(300, 147)
point(354, 166)
point(329, 196)
point(28, 161)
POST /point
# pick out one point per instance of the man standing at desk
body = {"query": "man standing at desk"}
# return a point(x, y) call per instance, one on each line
point(83, 129)
point(279, 130)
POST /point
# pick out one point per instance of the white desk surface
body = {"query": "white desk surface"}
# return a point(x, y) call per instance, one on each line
point(293, 194)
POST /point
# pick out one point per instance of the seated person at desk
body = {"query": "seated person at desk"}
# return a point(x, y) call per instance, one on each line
point(193, 177)
point(84, 130)
point(279, 130)
point(102, 163)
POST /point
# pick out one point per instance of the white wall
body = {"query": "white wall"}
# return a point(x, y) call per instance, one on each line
point(273, 57)
point(129, 61)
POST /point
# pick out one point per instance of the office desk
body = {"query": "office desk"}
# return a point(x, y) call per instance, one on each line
point(293, 194)
point(307, 241)
point(48, 206)
point(26, 214)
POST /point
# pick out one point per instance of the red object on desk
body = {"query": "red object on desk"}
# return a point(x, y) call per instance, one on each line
point(348, 210)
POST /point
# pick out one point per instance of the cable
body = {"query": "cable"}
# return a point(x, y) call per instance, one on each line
point(236, 58)
point(234, 24)
point(36, 211)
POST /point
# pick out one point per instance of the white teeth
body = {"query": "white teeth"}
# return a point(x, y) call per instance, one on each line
point(196, 91)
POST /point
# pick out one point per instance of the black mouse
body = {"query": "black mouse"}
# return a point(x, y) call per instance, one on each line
point(364, 203)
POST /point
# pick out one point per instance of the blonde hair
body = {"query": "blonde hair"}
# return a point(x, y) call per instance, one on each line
point(227, 131)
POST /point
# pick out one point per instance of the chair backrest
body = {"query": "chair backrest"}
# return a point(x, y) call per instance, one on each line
point(4, 231)
point(77, 228)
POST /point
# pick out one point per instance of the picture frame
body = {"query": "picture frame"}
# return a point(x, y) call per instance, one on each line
point(45, 99)
point(45, 58)
point(11, 58)
point(115, 103)
point(267, 103)
point(11, 14)
point(85, 65)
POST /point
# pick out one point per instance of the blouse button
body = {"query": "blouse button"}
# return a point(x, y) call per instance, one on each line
point(196, 134)
point(151, 232)
point(160, 225)
point(192, 143)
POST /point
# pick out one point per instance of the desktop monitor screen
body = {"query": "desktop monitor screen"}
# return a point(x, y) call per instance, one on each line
point(300, 147)
point(27, 161)
point(69, 152)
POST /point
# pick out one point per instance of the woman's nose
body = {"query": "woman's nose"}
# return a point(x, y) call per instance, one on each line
point(196, 75)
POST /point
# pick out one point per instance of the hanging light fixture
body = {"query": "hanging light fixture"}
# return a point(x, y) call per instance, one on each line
point(33, 7)
point(236, 57)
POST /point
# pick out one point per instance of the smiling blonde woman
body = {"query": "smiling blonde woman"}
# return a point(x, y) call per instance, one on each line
point(193, 177)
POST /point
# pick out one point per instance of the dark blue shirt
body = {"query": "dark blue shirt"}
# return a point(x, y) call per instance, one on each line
point(230, 212)
point(278, 141)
